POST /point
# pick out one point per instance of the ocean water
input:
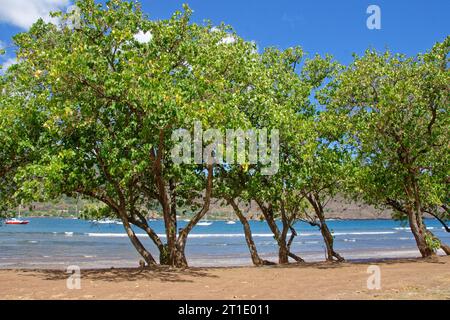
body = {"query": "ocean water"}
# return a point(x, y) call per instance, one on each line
point(58, 243)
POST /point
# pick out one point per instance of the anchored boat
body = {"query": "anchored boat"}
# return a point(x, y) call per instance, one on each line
point(16, 221)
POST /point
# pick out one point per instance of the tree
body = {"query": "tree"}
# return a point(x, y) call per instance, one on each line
point(280, 101)
point(396, 112)
point(113, 101)
point(20, 128)
point(328, 163)
point(230, 185)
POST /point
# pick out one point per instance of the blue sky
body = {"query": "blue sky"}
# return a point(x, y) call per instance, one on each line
point(320, 26)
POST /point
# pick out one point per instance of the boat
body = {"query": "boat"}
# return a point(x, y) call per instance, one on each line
point(231, 222)
point(106, 221)
point(204, 223)
point(16, 221)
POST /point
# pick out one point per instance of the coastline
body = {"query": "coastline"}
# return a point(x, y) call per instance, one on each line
point(400, 279)
point(48, 243)
point(223, 219)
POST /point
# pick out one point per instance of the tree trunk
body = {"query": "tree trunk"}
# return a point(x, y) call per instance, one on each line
point(443, 246)
point(257, 261)
point(178, 256)
point(329, 243)
point(142, 224)
point(324, 230)
point(415, 215)
point(419, 232)
point(283, 252)
point(291, 240)
point(136, 242)
point(170, 222)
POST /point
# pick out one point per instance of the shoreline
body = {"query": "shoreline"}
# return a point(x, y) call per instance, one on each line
point(289, 265)
point(400, 279)
point(217, 262)
point(220, 219)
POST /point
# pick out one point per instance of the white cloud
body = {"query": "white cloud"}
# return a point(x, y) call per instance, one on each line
point(229, 39)
point(142, 37)
point(23, 13)
point(8, 63)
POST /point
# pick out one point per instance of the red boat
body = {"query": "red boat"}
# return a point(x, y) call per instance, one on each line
point(16, 221)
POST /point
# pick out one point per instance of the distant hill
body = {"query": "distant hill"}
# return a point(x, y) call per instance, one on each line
point(338, 208)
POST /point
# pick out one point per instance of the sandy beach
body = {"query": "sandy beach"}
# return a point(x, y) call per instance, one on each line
point(400, 279)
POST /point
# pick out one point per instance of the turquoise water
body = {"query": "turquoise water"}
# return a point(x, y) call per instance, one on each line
point(58, 243)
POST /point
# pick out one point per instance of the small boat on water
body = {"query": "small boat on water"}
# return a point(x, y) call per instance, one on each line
point(16, 221)
point(204, 223)
point(231, 222)
point(106, 221)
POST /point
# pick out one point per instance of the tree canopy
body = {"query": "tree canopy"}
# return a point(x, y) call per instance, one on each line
point(92, 105)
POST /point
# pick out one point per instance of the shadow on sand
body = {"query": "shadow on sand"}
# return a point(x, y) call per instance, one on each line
point(168, 274)
point(162, 273)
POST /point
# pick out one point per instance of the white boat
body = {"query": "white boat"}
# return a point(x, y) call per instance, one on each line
point(106, 221)
point(204, 223)
point(231, 222)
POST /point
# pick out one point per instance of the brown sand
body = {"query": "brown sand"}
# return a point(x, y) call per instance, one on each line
point(400, 279)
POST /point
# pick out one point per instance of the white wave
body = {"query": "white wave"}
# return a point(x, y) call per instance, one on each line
point(193, 235)
point(69, 234)
point(362, 233)
point(110, 235)
point(219, 235)
point(239, 235)
point(408, 228)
